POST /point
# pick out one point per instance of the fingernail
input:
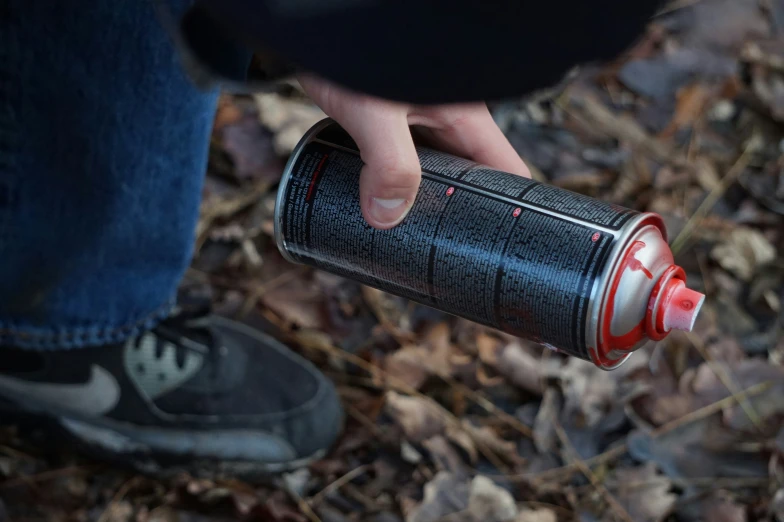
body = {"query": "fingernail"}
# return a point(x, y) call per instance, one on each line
point(387, 211)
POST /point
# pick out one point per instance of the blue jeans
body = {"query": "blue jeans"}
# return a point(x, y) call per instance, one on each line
point(103, 150)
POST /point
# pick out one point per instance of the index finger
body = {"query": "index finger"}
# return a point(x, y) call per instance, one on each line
point(470, 131)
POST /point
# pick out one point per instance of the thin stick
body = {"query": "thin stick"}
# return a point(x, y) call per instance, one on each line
point(266, 286)
point(713, 197)
point(481, 401)
point(611, 454)
point(590, 475)
point(303, 506)
point(404, 387)
point(726, 379)
point(316, 499)
point(118, 497)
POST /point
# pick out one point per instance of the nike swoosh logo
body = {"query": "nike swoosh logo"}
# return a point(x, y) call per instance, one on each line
point(96, 397)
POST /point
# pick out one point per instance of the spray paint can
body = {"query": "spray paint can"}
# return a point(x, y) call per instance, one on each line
point(584, 277)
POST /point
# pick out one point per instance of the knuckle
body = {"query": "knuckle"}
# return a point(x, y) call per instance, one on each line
point(399, 172)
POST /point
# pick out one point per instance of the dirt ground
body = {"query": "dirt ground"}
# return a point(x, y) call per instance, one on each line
point(450, 421)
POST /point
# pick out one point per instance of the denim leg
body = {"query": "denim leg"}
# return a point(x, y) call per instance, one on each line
point(103, 150)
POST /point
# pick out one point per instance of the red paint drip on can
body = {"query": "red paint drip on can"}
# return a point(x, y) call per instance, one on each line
point(588, 278)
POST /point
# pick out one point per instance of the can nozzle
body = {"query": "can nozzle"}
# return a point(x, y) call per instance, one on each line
point(679, 306)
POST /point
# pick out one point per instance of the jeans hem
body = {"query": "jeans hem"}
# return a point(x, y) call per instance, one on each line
point(61, 338)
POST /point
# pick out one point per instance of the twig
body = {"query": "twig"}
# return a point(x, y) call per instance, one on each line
point(316, 499)
point(714, 195)
point(364, 420)
point(303, 506)
point(710, 409)
point(676, 5)
point(118, 497)
point(266, 286)
point(226, 208)
point(726, 378)
point(481, 401)
point(611, 454)
point(404, 387)
point(710, 482)
point(590, 475)
point(47, 475)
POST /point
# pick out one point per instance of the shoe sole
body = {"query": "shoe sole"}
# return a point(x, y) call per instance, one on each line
point(102, 443)
point(114, 442)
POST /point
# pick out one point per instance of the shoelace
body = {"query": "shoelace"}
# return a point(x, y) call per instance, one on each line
point(187, 329)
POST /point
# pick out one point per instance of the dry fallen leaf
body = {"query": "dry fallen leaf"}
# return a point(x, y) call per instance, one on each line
point(488, 438)
point(545, 437)
point(777, 505)
point(724, 510)
point(745, 250)
point(537, 515)
point(490, 503)
point(644, 493)
point(408, 365)
point(521, 366)
point(452, 497)
point(413, 364)
point(297, 302)
point(443, 454)
point(288, 118)
point(445, 494)
point(692, 101)
point(419, 418)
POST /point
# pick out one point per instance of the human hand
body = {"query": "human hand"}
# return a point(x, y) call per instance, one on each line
point(390, 178)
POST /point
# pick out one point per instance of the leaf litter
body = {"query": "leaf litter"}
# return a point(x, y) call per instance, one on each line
point(451, 421)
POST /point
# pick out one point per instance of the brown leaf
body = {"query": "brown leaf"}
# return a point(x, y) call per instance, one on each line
point(589, 391)
point(121, 511)
point(623, 128)
point(544, 426)
point(692, 101)
point(644, 493)
point(777, 505)
point(388, 309)
point(706, 173)
point(487, 437)
point(745, 250)
point(445, 494)
point(489, 502)
point(521, 365)
point(227, 112)
point(537, 515)
point(418, 418)
point(724, 510)
point(163, 514)
point(489, 348)
point(408, 365)
point(436, 356)
point(250, 148)
point(444, 454)
point(297, 302)
point(454, 498)
point(288, 118)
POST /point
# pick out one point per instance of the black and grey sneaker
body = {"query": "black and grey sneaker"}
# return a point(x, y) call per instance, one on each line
point(198, 393)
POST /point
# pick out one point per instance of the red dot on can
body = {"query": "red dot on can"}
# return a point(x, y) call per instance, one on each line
point(450, 191)
point(686, 304)
point(517, 211)
point(595, 237)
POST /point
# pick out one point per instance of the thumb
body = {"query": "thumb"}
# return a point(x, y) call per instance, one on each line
point(391, 175)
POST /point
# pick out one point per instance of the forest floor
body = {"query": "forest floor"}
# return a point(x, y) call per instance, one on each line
point(450, 421)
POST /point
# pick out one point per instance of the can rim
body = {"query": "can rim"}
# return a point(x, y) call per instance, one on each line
point(284, 181)
point(611, 270)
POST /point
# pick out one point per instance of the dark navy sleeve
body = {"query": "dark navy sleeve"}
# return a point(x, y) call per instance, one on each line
point(421, 51)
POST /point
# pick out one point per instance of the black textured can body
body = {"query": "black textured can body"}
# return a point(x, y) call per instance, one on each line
point(504, 251)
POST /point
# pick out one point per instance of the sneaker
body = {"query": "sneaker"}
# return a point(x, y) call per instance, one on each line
point(198, 393)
